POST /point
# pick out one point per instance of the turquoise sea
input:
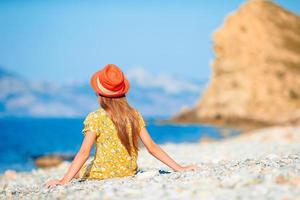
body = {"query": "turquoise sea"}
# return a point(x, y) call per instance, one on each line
point(23, 139)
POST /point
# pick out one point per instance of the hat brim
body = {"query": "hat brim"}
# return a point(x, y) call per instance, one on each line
point(96, 85)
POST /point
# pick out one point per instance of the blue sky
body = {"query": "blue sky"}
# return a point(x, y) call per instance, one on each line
point(69, 40)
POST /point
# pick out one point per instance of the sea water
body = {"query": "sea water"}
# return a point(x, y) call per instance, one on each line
point(23, 139)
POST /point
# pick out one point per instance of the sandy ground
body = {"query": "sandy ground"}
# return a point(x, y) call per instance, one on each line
point(263, 164)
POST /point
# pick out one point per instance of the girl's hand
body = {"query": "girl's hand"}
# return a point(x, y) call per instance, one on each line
point(188, 168)
point(53, 183)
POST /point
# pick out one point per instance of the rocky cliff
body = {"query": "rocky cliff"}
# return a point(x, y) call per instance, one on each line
point(256, 71)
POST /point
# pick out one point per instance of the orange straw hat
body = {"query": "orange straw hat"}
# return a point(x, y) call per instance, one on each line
point(110, 81)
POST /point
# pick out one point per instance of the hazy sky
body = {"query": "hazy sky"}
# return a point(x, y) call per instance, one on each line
point(65, 40)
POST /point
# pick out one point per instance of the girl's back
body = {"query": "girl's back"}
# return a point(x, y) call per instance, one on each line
point(111, 157)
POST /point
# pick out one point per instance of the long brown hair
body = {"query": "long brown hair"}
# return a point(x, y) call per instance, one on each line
point(121, 113)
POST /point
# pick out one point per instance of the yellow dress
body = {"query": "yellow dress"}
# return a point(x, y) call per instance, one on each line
point(111, 157)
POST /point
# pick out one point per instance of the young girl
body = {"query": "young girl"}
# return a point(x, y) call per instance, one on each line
point(115, 128)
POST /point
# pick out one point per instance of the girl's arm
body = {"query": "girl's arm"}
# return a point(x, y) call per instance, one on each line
point(160, 154)
point(80, 158)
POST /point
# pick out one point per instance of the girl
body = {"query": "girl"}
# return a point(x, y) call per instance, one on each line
point(115, 128)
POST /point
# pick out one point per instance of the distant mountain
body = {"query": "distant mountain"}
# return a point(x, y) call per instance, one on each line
point(154, 95)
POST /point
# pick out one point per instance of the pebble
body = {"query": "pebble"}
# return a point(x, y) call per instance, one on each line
point(10, 174)
point(228, 170)
point(146, 175)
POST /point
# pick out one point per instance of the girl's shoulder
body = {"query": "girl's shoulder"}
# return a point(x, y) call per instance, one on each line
point(100, 112)
point(140, 118)
point(96, 116)
point(94, 120)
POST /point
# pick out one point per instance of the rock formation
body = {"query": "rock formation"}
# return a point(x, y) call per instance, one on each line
point(256, 71)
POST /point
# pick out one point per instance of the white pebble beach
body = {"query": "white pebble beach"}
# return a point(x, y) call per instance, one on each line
point(262, 165)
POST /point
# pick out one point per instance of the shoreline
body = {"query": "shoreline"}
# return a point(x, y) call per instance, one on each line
point(160, 133)
point(263, 164)
point(242, 124)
